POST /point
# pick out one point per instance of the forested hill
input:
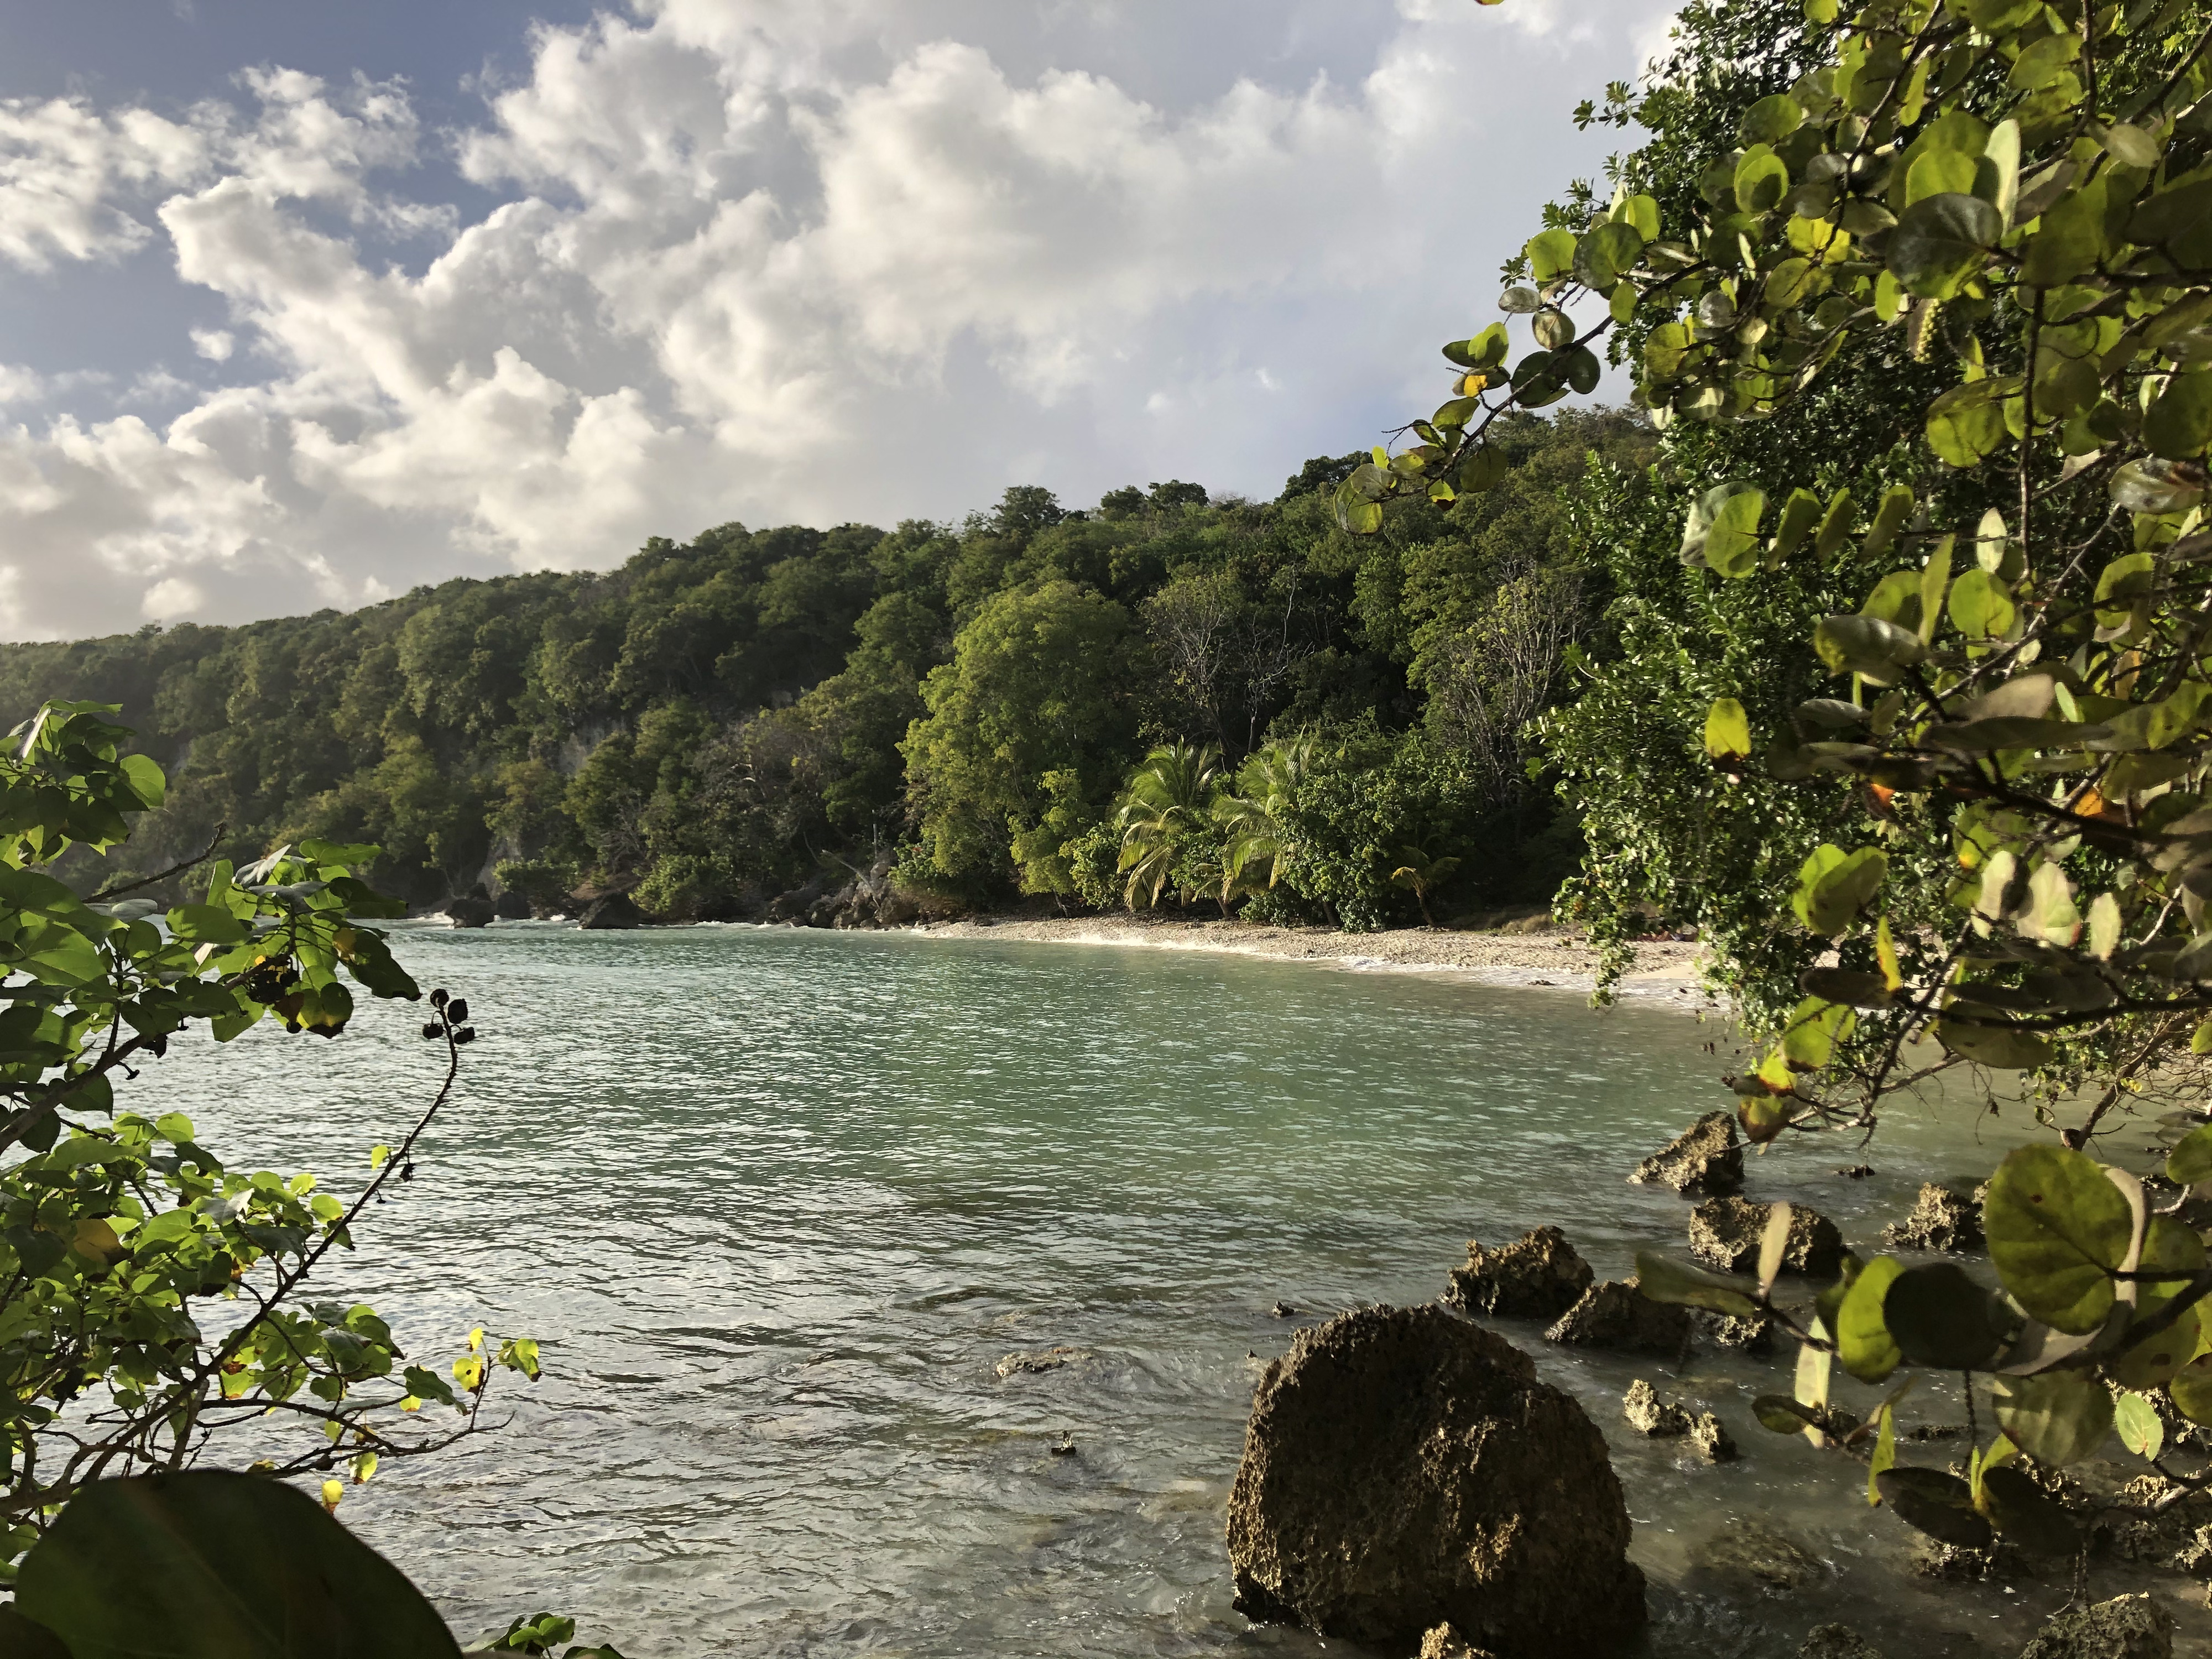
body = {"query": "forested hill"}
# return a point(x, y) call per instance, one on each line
point(721, 721)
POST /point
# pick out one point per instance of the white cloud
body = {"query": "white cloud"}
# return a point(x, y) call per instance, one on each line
point(768, 261)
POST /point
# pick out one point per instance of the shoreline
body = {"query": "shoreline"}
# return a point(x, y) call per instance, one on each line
point(1665, 970)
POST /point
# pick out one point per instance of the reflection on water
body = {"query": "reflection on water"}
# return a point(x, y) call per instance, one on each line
point(776, 1203)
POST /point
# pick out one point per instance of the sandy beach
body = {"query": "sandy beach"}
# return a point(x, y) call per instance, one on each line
point(1555, 960)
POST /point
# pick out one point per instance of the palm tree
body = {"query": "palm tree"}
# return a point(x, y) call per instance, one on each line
point(1254, 819)
point(1166, 796)
point(1423, 875)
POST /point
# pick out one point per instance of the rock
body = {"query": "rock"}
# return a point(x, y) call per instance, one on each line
point(1050, 1360)
point(1614, 1316)
point(615, 910)
point(1647, 1413)
point(1404, 1468)
point(1748, 1333)
point(1704, 1157)
point(470, 911)
point(1836, 1642)
point(2126, 1628)
point(1711, 1437)
point(512, 906)
point(1442, 1642)
point(1758, 1550)
point(1853, 1172)
point(1961, 1564)
point(1725, 1232)
point(793, 905)
point(1538, 1276)
point(1942, 1220)
point(1284, 1310)
point(2157, 1522)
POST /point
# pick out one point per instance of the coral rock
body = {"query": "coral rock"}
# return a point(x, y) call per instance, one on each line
point(1614, 1315)
point(1538, 1276)
point(1838, 1641)
point(1711, 1437)
point(1403, 1469)
point(1705, 1157)
point(1942, 1221)
point(2126, 1628)
point(1725, 1232)
point(1647, 1413)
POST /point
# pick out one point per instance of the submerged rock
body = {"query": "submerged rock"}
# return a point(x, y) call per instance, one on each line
point(1725, 1232)
point(1647, 1413)
point(1836, 1642)
point(1943, 1219)
point(1442, 1642)
point(1538, 1276)
point(615, 910)
point(1751, 1547)
point(1705, 1158)
point(1710, 1436)
point(2126, 1628)
point(1614, 1315)
point(1404, 1469)
point(1051, 1359)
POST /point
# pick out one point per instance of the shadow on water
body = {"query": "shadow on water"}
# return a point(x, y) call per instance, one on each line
point(777, 1203)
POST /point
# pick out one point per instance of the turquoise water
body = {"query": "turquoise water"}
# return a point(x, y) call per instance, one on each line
point(776, 1202)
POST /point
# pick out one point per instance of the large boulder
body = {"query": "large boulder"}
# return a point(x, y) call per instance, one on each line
point(1403, 1469)
point(2126, 1628)
point(613, 910)
point(1943, 1219)
point(1704, 1158)
point(1726, 1232)
point(470, 911)
point(1538, 1276)
point(1615, 1315)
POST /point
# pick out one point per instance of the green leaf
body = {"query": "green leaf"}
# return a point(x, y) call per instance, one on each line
point(206, 924)
point(1880, 651)
point(1772, 119)
point(1641, 213)
point(1939, 173)
point(214, 1566)
point(2179, 425)
point(2058, 1417)
point(1981, 606)
point(1800, 513)
point(1940, 241)
point(2027, 1515)
point(1993, 1044)
point(1728, 730)
point(2057, 1230)
point(2071, 240)
point(2191, 1389)
point(2154, 486)
point(1885, 1451)
point(1583, 369)
point(1609, 252)
point(1778, 1414)
point(1833, 886)
point(1663, 1278)
point(21, 1638)
point(1939, 1318)
point(2190, 1160)
point(1815, 1026)
point(1889, 516)
point(144, 775)
point(1722, 529)
point(1865, 1346)
point(1761, 180)
point(1935, 1502)
point(1550, 255)
point(2142, 1431)
point(1966, 425)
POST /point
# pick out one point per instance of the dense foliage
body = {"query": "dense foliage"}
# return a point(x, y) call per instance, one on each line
point(725, 720)
point(1907, 694)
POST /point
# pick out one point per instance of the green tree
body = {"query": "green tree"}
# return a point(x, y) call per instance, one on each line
point(1163, 806)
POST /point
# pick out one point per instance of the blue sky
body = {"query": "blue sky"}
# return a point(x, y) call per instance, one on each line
point(308, 304)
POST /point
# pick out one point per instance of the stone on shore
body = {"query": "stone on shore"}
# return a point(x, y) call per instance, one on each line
point(2126, 1628)
point(1647, 1413)
point(1836, 1642)
point(615, 910)
point(1942, 1221)
point(1725, 1233)
point(1403, 1469)
point(1705, 1158)
point(1538, 1276)
point(1615, 1315)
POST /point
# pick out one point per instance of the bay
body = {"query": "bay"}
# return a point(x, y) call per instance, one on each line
point(777, 1203)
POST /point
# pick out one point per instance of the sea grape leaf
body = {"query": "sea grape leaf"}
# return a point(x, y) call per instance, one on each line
point(1833, 886)
point(2190, 1160)
point(2027, 1516)
point(1663, 1278)
point(2058, 1416)
point(2191, 1389)
point(2141, 1429)
point(1728, 730)
point(1936, 1503)
point(1940, 241)
point(211, 1564)
point(1863, 1342)
point(2057, 1230)
point(1938, 1317)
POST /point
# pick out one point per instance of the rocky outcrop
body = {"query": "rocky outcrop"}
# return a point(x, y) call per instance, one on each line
point(1725, 1233)
point(1050, 1359)
point(1647, 1413)
point(868, 900)
point(1614, 1315)
point(2126, 1628)
point(1404, 1469)
point(1836, 1642)
point(1710, 1436)
point(471, 911)
point(1705, 1159)
point(512, 906)
point(1746, 1333)
point(1943, 1219)
point(1538, 1276)
point(611, 910)
point(1444, 1643)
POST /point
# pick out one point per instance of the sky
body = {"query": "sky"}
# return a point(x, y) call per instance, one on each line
point(306, 305)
